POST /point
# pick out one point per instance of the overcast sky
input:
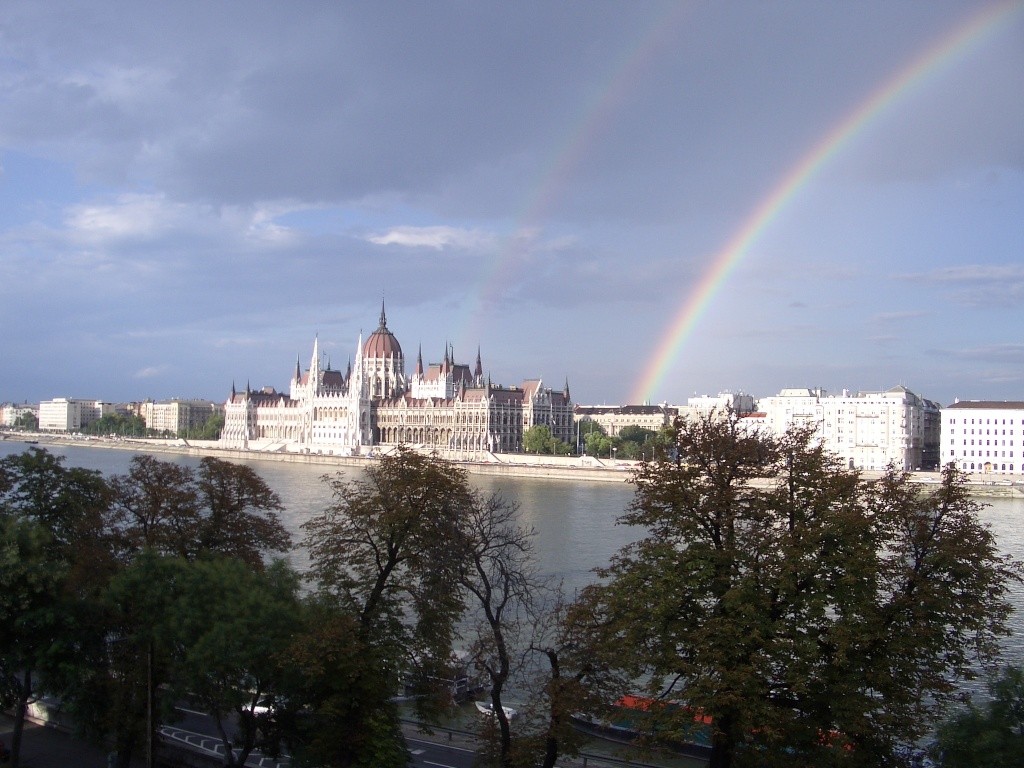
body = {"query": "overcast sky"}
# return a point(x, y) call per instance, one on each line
point(190, 192)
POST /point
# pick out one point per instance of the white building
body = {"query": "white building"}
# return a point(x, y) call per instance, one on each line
point(64, 414)
point(723, 402)
point(868, 430)
point(11, 412)
point(614, 418)
point(984, 436)
point(177, 416)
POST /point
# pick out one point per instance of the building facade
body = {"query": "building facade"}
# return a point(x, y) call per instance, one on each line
point(446, 406)
point(11, 412)
point(177, 416)
point(867, 430)
point(614, 418)
point(64, 414)
point(983, 436)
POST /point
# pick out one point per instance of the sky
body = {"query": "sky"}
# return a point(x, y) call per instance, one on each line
point(650, 200)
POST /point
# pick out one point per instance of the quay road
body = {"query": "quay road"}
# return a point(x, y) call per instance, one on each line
point(49, 746)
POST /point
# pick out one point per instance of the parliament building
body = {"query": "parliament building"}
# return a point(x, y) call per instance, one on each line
point(446, 406)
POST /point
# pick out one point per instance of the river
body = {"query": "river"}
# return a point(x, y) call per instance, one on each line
point(575, 521)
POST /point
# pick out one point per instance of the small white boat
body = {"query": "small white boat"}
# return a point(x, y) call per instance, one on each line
point(487, 708)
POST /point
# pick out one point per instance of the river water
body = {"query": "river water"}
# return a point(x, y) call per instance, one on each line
point(575, 521)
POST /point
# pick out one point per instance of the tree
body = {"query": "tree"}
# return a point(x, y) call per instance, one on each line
point(635, 442)
point(239, 513)
point(813, 616)
point(160, 512)
point(116, 424)
point(386, 555)
point(992, 735)
point(596, 441)
point(500, 576)
point(569, 675)
point(228, 630)
point(27, 421)
point(126, 689)
point(156, 508)
point(30, 583)
point(227, 508)
point(54, 556)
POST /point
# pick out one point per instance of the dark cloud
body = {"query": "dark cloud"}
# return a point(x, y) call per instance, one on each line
point(198, 187)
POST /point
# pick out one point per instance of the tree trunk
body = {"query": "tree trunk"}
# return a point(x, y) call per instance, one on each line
point(20, 712)
point(722, 743)
point(555, 715)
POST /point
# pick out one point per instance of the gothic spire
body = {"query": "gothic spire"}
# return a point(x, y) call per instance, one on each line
point(383, 316)
point(419, 362)
point(478, 371)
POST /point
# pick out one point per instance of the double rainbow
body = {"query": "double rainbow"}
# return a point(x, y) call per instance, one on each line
point(964, 37)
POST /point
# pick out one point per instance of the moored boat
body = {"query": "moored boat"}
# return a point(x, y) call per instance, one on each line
point(640, 719)
point(487, 708)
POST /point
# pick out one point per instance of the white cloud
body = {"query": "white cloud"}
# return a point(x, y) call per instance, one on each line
point(438, 238)
point(148, 217)
point(131, 216)
point(151, 372)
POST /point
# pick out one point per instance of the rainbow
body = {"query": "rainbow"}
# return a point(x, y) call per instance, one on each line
point(962, 38)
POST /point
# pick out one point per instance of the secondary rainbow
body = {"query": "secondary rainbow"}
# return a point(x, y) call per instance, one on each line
point(596, 112)
point(961, 39)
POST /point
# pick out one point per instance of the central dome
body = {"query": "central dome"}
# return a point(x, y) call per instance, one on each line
point(382, 342)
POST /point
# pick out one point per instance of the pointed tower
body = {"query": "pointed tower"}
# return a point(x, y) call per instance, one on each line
point(478, 369)
point(314, 367)
point(565, 392)
point(418, 373)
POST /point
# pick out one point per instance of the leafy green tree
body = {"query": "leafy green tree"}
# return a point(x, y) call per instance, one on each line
point(239, 513)
point(127, 687)
point(992, 735)
point(27, 421)
point(55, 556)
point(156, 508)
point(596, 441)
point(816, 618)
point(162, 511)
point(30, 584)
point(116, 424)
point(70, 503)
point(225, 508)
point(228, 629)
point(538, 439)
point(636, 442)
point(382, 554)
point(211, 429)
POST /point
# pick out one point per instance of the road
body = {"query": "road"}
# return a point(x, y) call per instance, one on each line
point(198, 729)
point(427, 754)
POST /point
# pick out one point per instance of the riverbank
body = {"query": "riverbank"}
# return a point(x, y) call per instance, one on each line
point(585, 468)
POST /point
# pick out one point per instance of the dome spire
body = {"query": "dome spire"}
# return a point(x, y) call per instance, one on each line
point(383, 316)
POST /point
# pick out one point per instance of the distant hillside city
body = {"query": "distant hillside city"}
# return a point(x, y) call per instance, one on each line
point(455, 409)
